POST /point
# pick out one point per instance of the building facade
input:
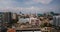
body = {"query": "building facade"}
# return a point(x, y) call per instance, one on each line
point(5, 17)
point(56, 20)
point(14, 17)
point(34, 21)
point(1, 21)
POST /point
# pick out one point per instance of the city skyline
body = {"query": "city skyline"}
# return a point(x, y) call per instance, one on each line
point(30, 6)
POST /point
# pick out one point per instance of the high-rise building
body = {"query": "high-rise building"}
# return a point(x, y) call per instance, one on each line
point(5, 17)
point(1, 16)
point(56, 20)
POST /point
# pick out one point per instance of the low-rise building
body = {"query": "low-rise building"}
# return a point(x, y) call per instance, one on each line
point(46, 29)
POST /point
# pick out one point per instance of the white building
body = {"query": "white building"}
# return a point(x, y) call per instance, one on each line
point(56, 20)
point(22, 20)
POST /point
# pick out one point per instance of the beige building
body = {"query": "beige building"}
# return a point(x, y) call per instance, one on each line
point(46, 29)
point(34, 21)
point(14, 15)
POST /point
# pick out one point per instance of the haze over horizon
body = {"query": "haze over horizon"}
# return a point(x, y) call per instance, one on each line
point(30, 6)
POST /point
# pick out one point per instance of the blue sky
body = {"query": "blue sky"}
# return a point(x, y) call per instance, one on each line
point(30, 6)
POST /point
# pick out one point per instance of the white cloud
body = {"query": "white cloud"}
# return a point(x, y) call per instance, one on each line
point(28, 9)
point(8, 5)
point(43, 1)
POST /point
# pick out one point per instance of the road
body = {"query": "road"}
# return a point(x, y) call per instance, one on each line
point(28, 29)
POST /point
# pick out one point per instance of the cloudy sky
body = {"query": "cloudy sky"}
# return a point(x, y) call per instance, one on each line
point(30, 6)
